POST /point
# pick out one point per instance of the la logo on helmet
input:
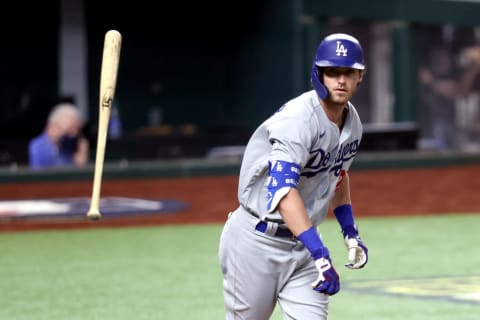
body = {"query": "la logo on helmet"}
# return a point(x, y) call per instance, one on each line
point(341, 49)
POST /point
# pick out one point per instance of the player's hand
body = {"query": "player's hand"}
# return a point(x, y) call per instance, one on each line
point(357, 251)
point(328, 281)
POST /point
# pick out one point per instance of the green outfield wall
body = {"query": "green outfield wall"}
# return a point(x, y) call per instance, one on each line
point(214, 167)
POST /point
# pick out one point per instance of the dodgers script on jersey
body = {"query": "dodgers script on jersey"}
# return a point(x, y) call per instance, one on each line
point(320, 153)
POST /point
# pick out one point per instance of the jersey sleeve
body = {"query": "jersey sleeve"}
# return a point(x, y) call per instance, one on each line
point(290, 136)
point(289, 139)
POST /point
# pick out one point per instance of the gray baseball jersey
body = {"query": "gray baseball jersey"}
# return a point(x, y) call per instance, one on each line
point(299, 132)
point(259, 268)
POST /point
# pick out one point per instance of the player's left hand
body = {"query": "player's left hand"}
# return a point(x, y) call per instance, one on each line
point(357, 251)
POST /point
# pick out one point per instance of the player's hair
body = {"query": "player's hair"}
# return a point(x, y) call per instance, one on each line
point(64, 109)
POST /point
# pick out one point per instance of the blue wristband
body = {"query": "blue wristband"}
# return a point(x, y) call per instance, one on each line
point(312, 242)
point(344, 215)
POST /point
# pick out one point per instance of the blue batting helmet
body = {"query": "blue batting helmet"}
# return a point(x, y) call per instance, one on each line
point(336, 50)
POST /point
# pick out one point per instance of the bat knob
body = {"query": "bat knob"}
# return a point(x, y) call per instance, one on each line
point(94, 215)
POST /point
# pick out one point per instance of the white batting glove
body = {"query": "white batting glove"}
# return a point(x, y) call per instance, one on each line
point(357, 252)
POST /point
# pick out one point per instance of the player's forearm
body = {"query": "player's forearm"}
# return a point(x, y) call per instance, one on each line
point(342, 193)
point(293, 212)
point(342, 208)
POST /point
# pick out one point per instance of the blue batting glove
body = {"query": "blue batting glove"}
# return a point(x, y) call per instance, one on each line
point(328, 281)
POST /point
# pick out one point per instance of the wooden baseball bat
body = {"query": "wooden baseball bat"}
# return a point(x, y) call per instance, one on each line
point(108, 82)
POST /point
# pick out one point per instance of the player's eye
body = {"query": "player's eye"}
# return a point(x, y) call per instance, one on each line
point(336, 72)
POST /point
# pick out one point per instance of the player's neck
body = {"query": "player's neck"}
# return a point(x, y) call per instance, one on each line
point(335, 113)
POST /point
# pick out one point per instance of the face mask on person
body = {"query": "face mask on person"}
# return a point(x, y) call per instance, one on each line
point(68, 144)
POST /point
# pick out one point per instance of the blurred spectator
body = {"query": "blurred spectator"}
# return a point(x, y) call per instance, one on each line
point(468, 103)
point(155, 113)
point(449, 94)
point(61, 144)
point(438, 91)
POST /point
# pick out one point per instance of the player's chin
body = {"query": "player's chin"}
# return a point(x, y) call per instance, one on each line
point(340, 99)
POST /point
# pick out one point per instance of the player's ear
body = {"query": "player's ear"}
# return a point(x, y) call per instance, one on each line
point(360, 79)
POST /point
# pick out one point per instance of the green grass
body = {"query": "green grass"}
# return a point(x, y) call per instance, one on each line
point(169, 272)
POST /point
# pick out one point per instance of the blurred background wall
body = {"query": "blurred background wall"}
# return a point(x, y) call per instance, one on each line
point(196, 75)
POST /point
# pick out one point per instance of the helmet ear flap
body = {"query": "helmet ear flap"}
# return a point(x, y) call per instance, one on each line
point(317, 83)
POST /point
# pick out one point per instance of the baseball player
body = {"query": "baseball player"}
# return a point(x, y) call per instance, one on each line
point(294, 169)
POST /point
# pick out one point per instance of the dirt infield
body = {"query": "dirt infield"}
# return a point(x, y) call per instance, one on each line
point(374, 193)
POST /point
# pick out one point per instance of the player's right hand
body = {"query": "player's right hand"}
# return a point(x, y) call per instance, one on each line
point(328, 281)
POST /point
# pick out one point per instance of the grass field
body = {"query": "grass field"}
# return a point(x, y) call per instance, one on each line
point(420, 268)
